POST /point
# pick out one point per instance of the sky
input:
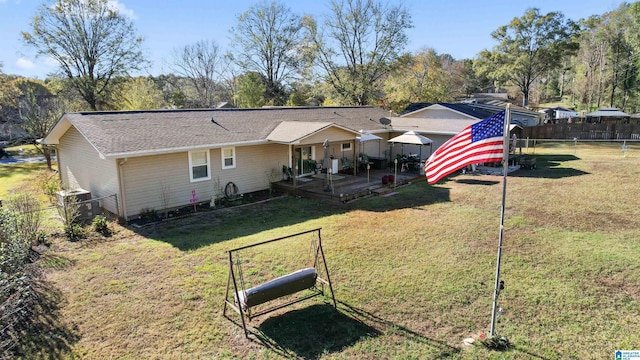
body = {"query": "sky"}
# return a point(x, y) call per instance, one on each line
point(461, 28)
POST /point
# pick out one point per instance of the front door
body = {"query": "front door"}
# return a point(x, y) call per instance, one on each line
point(303, 157)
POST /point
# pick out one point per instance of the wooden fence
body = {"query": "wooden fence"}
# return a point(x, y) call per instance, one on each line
point(584, 131)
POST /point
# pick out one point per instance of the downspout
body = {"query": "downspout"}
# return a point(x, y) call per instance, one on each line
point(58, 163)
point(123, 201)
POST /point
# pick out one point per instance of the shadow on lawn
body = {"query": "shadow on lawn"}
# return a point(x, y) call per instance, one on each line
point(547, 167)
point(319, 330)
point(20, 169)
point(210, 227)
point(443, 349)
point(45, 336)
point(477, 182)
point(312, 331)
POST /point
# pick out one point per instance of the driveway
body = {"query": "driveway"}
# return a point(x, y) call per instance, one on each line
point(23, 160)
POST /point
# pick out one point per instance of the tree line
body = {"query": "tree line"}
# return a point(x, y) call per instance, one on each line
point(354, 54)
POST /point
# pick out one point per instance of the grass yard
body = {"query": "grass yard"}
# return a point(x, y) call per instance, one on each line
point(17, 176)
point(413, 273)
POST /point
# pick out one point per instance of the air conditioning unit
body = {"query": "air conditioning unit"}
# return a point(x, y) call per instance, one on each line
point(80, 200)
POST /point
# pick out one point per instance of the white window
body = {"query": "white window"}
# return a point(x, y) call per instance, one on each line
point(199, 166)
point(346, 147)
point(228, 158)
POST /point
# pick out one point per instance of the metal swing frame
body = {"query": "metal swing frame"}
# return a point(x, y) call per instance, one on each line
point(235, 276)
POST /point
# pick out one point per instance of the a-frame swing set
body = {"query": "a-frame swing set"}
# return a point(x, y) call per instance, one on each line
point(311, 279)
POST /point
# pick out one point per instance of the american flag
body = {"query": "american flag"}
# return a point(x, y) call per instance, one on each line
point(477, 143)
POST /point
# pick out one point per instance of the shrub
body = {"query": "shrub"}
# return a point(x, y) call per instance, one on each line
point(73, 231)
point(41, 238)
point(148, 215)
point(19, 279)
point(69, 211)
point(100, 225)
point(27, 206)
point(49, 184)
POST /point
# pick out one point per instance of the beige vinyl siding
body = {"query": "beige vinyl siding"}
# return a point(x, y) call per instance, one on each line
point(81, 167)
point(333, 134)
point(336, 137)
point(438, 140)
point(437, 114)
point(162, 181)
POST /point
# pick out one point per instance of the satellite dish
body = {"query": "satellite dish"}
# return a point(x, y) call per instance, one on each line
point(385, 121)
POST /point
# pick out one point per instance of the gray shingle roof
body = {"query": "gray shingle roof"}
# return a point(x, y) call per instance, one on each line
point(479, 111)
point(608, 112)
point(120, 133)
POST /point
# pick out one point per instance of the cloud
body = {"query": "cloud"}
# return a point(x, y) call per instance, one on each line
point(51, 62)
point(121, 9)
point(25, 64)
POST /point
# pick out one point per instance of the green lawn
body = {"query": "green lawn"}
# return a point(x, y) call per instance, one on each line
point(17, 176)
point(413, 273)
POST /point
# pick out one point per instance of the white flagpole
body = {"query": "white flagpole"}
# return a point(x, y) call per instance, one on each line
point(505, 170)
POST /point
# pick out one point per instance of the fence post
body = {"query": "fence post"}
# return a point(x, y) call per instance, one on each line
point(115, 197)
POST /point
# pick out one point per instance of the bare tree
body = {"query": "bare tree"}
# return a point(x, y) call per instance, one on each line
point(90, 40)
point(363, 37)
point(204, 65)
point(267, 38)
point(39, 111)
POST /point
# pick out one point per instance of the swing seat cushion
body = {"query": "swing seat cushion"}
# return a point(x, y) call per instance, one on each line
point(282, 286)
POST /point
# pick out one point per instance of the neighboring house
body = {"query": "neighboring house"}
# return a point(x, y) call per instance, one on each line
point(157, 160)
point(608, 115)
point(552, 115)
point(519, 115)
point(440, 122)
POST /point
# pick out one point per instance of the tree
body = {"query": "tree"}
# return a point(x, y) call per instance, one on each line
point(9, 94)
point(472, 80)
point(92, 43)
point(39, 111)
point(171, 87)
point(139, 93)
point(362, 39)
point(267, 38)
point(528, 47)
point(203, 64)
point(589, 64)
point(250, 90)
point(620, 55)
point(416, 78)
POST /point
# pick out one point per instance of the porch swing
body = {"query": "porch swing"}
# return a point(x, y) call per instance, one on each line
point(312, 280)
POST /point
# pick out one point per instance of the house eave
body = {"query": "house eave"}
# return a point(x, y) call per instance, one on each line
point(152, 152)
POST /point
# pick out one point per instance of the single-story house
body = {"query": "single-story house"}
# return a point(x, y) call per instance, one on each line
point(163, 159)
point(519, 115)
point(608, 115)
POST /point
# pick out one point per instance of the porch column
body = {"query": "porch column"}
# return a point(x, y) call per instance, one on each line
point(294, 167)
point(355, 158)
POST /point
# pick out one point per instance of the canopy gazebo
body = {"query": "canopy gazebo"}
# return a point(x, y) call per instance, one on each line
point(413, 138)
